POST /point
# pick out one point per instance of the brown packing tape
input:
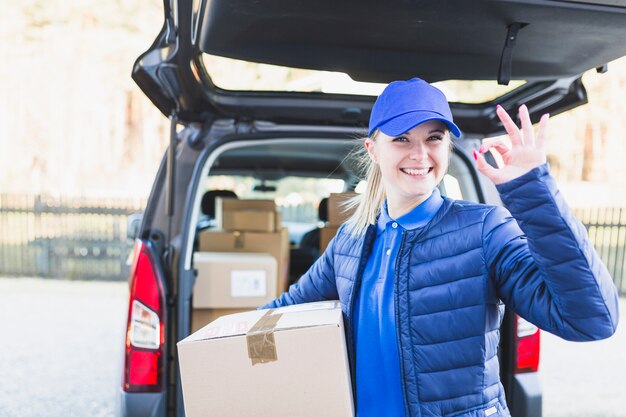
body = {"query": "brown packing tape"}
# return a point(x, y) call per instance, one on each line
point(260, 339)
point(239, 240)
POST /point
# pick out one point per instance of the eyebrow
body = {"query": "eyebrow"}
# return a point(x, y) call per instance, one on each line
point(432, 131)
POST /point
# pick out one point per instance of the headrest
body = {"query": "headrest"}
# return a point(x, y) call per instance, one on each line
point(322, 210)
point(208, 200)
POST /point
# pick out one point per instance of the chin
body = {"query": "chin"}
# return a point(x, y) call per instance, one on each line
point(420, 194)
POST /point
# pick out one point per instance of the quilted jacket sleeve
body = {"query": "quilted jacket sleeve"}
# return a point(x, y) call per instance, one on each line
point(548, 272)
point(317, 284)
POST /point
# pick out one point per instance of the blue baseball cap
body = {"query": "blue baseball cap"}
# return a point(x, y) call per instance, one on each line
point(405, 104)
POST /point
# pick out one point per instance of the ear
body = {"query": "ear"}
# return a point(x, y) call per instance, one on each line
point(369, 146)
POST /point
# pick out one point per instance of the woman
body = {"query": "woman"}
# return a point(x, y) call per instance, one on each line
point(422, 278)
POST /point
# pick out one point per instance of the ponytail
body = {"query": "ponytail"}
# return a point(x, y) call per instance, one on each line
point(367, 205)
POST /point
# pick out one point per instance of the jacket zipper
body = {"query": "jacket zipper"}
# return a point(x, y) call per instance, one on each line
point(407, 411)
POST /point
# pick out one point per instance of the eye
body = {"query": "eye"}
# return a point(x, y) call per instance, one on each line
point(435, 138)
point(401, 139)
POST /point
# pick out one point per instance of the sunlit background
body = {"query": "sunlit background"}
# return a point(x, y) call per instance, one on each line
point(73, 123)
point(80, 146)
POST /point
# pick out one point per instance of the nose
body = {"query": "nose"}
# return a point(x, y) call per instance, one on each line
point(418, 151)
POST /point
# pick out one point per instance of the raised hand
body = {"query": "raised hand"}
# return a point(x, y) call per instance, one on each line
point(522, 154)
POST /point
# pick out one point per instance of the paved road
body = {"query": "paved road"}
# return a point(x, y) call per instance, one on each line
point(585, 379)
point(61, 347)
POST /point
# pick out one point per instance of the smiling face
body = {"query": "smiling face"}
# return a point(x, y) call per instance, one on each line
point(411, 165)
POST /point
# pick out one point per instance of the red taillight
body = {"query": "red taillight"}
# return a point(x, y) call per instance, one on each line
point(527, 337)
point(143, 371)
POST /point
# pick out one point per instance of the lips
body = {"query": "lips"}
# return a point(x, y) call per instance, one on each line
point(416, 171)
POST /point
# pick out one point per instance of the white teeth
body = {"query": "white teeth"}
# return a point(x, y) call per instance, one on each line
point(411, 171)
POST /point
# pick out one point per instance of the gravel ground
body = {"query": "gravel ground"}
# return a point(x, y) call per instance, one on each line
point(62, 347)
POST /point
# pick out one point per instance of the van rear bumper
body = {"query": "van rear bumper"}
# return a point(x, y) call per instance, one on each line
point(526, 398)
point(141, 404)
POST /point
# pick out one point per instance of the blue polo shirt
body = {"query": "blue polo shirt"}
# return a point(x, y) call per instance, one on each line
point(378, 379)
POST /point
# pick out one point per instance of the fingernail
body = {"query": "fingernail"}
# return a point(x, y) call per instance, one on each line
point(475, 154)
point(481, 150)
point(498, 106)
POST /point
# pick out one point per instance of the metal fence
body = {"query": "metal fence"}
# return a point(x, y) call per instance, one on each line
point(607, 232)
point(65, 238)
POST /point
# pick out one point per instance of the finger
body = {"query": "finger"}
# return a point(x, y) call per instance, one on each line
point(528, 134)
point(500, 144)
point(509, 125)
point(543, 129)
point(484, 168)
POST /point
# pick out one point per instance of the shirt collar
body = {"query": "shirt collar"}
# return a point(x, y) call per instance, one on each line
point(414, 219)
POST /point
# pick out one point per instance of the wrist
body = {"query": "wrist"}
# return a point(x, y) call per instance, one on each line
point(532, 175)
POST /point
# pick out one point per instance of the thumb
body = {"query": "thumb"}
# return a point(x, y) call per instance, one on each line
point(484, 168)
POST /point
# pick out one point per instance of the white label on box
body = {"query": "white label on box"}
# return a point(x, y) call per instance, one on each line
point(249, 283)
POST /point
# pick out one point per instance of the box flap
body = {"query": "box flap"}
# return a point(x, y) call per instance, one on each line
point(308, 318)
point(296, 316)
point(225, 326)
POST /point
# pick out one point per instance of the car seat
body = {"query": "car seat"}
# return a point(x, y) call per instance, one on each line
point(311, 240)
point(207, 206)
point(307, 253)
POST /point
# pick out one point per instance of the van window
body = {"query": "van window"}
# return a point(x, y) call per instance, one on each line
point(237, 75)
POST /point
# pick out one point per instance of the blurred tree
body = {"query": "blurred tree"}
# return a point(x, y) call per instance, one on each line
point(75, 121)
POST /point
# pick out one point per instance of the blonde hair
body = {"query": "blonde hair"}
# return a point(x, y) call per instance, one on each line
point(367, 205)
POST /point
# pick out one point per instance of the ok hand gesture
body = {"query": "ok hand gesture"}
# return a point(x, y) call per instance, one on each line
point(524, 153)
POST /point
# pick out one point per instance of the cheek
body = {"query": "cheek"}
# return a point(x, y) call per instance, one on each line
point(391, 161)
point(443, 160)
point(443, 157)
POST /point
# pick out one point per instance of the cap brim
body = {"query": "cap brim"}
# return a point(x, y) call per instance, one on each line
point(405, 122)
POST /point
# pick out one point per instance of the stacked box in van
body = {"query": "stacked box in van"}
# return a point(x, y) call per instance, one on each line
point(337, 215)
point(242, 264)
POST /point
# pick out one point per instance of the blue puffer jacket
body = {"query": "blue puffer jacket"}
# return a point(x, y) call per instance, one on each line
point(451, 279)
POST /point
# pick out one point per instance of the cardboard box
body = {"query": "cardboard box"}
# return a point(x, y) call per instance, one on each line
point(234, 204)
point(269, 363)
point(249, 220)
point(228, 280)
point(278, 220)
point(247, 215)
point(337, 214)
point(274, 243)
point(326, 235)
point(200, 317)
